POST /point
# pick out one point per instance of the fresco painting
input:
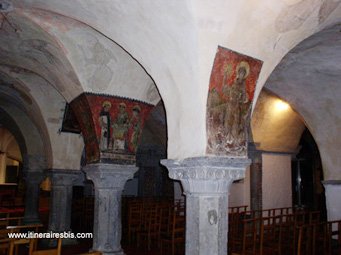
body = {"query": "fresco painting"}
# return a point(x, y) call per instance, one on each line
point(231, 90)
point(116, 123)
point(82, 113)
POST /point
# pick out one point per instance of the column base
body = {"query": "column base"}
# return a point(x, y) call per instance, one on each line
point(120, 252)
point(113, 253)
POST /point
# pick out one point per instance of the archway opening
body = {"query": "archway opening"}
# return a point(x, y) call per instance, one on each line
point(11, 179)
point(307, 176)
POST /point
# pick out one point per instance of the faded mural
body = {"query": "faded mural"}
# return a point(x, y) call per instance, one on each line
point(82, 112)
point(232, 84)
point(117, 125)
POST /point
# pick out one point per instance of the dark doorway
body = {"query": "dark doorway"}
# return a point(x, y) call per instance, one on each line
point(307, 176)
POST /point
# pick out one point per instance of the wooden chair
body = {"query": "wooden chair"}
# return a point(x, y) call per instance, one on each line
point(251, 228)
point(334, 237)
point(134, 221)
point(166, 219)
point(16, 242)
point(4, 245)
point(54, 251)
point(312, 239)
point(271, 235)
point(287, 232)
point(237, 209)
point(175, 241)
point(299, 219)
point(151, 227)
point(314, 217)
point(235, 231)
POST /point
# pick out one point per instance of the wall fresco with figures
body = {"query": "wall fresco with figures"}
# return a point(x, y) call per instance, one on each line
point(82, 112)
point(116, 124)
point(232, 84)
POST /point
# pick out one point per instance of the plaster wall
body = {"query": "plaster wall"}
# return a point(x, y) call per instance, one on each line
point(240, 191)
point(275, 125)
point(332, 192)
point(276, 186)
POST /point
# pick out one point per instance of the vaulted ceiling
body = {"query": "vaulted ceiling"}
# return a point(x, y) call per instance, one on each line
point(52, 51)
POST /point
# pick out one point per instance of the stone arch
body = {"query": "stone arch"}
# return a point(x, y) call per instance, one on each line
point(308, 78)
point(8, 123)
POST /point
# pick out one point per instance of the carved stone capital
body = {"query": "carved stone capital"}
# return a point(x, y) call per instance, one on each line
point(109, 175)
point(64, 177)
point(253, 153)
point(207, 175)
point(34, 163)
point(33, 178)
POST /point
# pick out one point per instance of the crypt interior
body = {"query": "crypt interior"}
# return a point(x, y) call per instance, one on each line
point(171, 127)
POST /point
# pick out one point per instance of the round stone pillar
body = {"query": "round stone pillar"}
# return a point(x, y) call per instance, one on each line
point(32, 182)
point(61, 198)
point(206, 182)
point(109, 181)
point(256, 169)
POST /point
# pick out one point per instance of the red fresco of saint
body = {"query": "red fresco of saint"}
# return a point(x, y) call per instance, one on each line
point(232, 85)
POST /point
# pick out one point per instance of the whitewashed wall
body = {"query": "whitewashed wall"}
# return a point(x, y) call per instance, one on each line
point(277, 187)
point(240, 191)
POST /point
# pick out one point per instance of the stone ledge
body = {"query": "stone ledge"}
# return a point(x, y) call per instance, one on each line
point(331, 182)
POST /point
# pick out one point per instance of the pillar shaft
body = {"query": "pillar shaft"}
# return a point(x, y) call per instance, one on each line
point(256, 177)
point(61, 199)
point(32, 180)
point(206, 182)
point(109, 180)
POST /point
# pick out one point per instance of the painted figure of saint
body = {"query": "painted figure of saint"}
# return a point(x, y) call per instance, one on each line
point(120, 128)
point(237, 107)
point(104, 123)
point(135, 128)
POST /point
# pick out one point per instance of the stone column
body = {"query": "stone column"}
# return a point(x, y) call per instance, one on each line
point(255, 177)
point(32, 181)
point(61, 199)
point(333, 205)
point(109, 180)
point(206, 182)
